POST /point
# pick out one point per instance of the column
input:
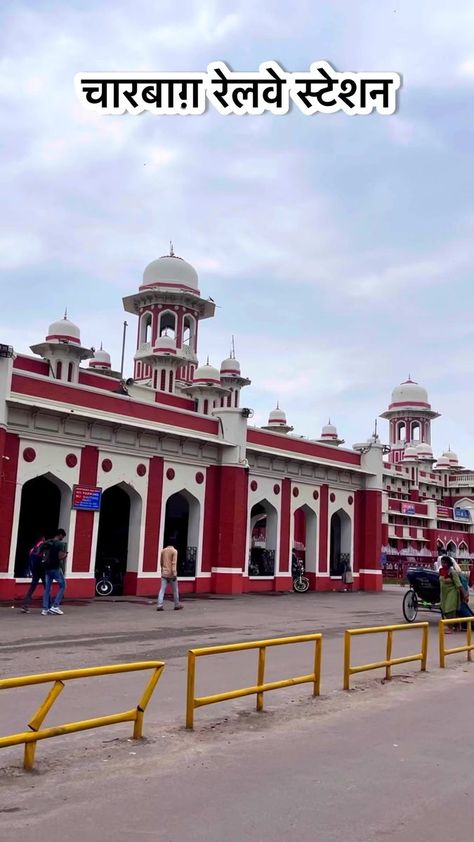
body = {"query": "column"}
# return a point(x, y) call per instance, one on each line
point(9, 453)
point(283, 563)
point(322, 572)
point(82, 561)
point(369, 547)
point(231, 528)
point(151, 548)
point(210, 532)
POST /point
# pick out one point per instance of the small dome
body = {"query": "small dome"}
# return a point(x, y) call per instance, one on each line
point(410, 453)
point(165, 345)
point(442, 464)
point(451, 457)
point(329, 431)
point(424, 450)
point(171, 271)
point(207, 374)
point(409, 393)
point(64, 330)
point(101, 359)
point(277, 416)
point(230, 368)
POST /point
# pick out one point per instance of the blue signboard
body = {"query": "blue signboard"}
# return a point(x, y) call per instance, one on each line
point(86, 497)
point(462, 514)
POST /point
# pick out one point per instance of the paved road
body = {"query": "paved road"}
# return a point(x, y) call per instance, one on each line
point(377, 763)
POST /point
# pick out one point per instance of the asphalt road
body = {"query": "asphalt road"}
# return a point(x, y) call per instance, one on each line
point(382, 762)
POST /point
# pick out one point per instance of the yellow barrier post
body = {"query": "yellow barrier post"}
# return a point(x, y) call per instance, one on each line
point(193, 702)
point(389, 661)
point(30, 738)
point(455, 621)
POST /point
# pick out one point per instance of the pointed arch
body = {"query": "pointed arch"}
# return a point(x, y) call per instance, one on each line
point(305, 536)
point(182, 529)
point(263, 538)
point(340, 542)
point(45, 506)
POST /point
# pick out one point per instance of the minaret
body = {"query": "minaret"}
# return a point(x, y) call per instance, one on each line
point(329, 435)
point(232, 379)
point(277, 422)
point(169, 308)
point(206, 389)
point(63, 351)
point(410, 416)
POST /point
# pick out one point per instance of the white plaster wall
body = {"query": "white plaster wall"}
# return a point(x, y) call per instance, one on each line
point(50, 459)
point(185, 480)
point(264, 491)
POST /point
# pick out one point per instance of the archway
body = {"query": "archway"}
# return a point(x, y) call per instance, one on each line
point(263, 539)
point(340, 542)
point(451, 548)
point(305, 537)
point(182, 529)
point(45, 506)
point(118, 538)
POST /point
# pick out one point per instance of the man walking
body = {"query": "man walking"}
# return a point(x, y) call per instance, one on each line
point(169, 572)
point(55, 557)
point(37, 573)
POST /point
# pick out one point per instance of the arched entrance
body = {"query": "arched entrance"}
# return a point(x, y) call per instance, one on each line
point(182, 529)
point(45, 506)
point(340, 542)
point(118, 538)
point(305, 537)
point(263, 539)
point(451, 549)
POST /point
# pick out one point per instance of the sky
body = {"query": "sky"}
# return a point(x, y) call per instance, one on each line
point(339, 249)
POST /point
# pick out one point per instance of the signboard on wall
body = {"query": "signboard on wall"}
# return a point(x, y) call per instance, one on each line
point(444, 511)
point(461, 514)
point(408, 509)
point(86, 497)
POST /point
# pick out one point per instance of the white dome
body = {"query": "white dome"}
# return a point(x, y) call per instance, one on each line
point(409, 393)
point(101, 359)
point(329, 431)
point(424, 450)
point(410, 453)
point(277, 416)
point(207, 374)
point(171, 271)
point(165, 345)
point(64, 329)
point(451, 457)
point(442, 464)
point(230, 368)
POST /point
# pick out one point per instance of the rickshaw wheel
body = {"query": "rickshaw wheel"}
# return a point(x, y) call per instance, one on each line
point(410, 606)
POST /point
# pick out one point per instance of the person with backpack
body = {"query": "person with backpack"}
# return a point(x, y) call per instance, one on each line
point(37, 572)
point(54, 558)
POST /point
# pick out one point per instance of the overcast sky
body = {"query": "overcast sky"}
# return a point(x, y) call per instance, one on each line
point(339, 249)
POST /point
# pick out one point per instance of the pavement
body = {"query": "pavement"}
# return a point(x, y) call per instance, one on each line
point(375, 762)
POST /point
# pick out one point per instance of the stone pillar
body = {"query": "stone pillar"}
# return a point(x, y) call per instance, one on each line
point(82, 561)
point(150, 584)
point(283, 577)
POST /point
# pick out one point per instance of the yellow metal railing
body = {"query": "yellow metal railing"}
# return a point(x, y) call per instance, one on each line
point(30, 738)
point(389, 662)
point(442, 640)
point(260, 687)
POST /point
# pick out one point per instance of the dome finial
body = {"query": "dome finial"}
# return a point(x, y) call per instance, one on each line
point(65, 312)
point(171, 249)
point(207, 363)
point(101, 346)
point(278, 405)
point(329, 420)
point(232, 349)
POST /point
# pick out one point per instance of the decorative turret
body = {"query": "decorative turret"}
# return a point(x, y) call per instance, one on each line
point(277, 422)
point(206, 388)
point(63, 351)
point(231, 379)
point(102, 364)
point(329, 435)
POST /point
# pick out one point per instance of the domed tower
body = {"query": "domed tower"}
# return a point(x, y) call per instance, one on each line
point(206, 389)
point(277, 422)
point(169, 307)
point(329, 435)
point(63, 351)
point(410, 416)
point(231, 379)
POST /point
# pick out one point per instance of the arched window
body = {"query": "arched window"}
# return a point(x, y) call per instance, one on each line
point(59, 370)
point(167, 324)
point(70, 371)
point(171, 381)
point(155, 380)
point(401, 431)
point(145, 328)
point(189, 327)
point(415, 431)
point(206, 407)
point(163, 380)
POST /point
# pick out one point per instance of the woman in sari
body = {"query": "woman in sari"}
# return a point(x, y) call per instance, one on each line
point(450, 590)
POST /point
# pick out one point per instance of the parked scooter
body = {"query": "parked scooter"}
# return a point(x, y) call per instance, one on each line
point(300, 581)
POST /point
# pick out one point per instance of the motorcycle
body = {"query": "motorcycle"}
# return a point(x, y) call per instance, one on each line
point(300, 581)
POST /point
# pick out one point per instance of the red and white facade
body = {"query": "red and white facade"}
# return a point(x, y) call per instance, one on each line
point(175, 458)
